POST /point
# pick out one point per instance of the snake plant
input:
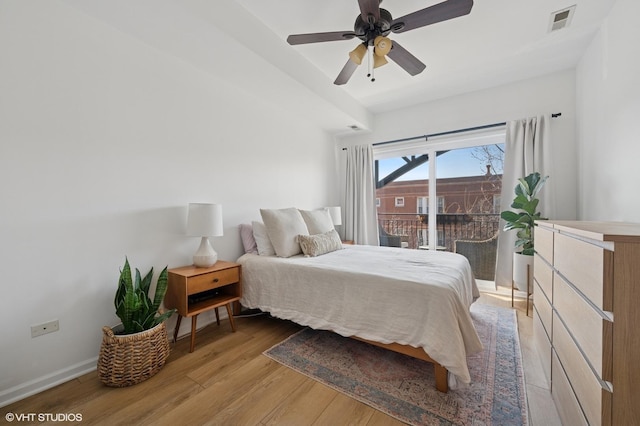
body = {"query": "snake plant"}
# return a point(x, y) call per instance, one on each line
point(133, 305)
point(527, 203)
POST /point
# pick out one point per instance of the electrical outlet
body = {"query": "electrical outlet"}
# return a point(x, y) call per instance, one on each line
point(44, 328)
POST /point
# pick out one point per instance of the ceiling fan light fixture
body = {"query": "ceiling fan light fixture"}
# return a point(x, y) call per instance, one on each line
point(358, 53)
point(379, 61)
point(382, 45)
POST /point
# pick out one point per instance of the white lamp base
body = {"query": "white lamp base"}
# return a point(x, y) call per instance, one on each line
point(205, 256)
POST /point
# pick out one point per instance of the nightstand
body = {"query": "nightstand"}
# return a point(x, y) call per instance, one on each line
point(192, 290)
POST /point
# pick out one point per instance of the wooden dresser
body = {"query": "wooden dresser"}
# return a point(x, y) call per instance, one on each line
point(587, 319)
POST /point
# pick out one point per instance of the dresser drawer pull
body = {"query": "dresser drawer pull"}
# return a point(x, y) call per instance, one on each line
point(215, 280)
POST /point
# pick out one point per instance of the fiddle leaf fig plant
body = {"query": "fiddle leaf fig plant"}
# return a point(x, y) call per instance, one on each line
point(523, 219)
point(133, 305)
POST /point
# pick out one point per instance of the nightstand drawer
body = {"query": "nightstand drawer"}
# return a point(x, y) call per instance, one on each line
point(212, 280)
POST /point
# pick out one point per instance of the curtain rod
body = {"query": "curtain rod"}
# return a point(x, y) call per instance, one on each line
point(450, 132)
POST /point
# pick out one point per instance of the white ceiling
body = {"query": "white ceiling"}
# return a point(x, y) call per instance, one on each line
point(244, 42)
point(498, 42)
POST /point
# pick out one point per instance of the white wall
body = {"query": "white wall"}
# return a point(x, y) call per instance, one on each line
point(104, 141)
point(544, 95)
point(608, 118)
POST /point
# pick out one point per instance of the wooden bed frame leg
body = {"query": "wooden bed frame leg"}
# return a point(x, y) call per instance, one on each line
point(441, 374)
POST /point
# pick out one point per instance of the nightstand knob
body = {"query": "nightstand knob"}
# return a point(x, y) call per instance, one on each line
point(215, 280)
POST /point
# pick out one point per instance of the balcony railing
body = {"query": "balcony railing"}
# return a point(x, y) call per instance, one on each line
point(412, 229)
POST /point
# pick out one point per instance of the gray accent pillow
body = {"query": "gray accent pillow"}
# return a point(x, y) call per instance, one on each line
point(315, 245)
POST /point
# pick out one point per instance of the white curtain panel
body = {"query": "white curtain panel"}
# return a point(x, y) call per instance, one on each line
point(361, 221)
point(527, 150)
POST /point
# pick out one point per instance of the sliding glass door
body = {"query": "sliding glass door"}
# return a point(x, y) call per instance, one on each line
point(401, 197)
point(441, 194)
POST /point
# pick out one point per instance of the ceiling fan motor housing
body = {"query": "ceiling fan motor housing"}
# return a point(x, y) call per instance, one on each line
point(368, 31)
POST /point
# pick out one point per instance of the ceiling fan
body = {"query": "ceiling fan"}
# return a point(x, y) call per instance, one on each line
point(374, 24)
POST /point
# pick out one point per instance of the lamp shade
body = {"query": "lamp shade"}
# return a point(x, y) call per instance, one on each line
point(382, 45)
point(358, 53)
point(204, 220)
point(379, 61)
point(336, 215)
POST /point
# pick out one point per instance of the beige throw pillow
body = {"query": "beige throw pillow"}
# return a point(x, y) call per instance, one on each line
point(283, 227)
point(318, 221)
point(315, 245)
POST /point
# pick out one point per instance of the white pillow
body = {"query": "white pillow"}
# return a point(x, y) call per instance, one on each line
point(265, 248)
point(283, 227)
point(315, 245)
point(317, 221)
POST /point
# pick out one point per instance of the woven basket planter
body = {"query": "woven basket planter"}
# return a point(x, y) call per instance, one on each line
point(132, 358)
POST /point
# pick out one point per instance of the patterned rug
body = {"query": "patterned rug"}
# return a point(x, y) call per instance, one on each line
point(403, 387)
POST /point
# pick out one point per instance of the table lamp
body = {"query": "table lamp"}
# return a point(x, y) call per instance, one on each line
point(336, 215)
point(205, 220)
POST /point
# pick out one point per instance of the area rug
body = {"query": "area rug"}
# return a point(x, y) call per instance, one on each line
point(404, 387)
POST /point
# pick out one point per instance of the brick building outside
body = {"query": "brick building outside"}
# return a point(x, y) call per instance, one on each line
point(469, 194)
point(468, 208)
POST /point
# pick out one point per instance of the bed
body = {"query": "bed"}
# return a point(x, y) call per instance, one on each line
point(412, 301)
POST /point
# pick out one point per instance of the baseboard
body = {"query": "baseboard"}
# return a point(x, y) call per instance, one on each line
point(56, 378)
point(48, 381)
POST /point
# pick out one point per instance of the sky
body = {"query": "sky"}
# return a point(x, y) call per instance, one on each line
point(454, 163)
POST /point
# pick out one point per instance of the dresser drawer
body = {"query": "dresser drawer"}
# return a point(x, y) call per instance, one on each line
point(585, 384)
point(211, 280)
point(543, 306)
point(589, 329)
point(543, 238)
point(543, 274)
point(566, 402)
point(542, 343)
point(586, 266)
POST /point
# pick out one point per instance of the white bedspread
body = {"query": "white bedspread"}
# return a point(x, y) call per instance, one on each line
point(412, 297)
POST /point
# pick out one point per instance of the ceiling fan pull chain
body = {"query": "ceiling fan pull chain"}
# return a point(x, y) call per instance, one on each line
point(373, 77)
point(369, 69)
point(370, 66)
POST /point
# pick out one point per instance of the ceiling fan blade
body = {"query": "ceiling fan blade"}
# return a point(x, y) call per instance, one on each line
point(406, 60)
point(320, 37)
point(437, 13)
point(346, 73)
point(369, 7)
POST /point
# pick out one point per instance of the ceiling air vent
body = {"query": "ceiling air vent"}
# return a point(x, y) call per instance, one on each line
point(561, 18)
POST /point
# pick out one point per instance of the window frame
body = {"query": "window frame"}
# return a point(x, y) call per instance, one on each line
point(430, 146)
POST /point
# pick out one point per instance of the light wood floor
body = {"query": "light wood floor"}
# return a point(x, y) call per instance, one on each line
point(227, 381)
